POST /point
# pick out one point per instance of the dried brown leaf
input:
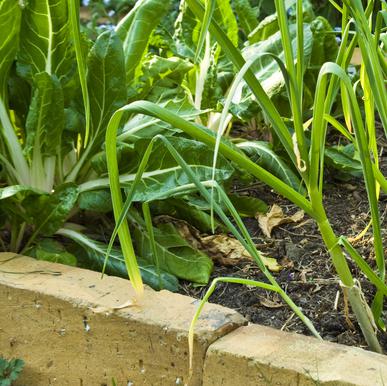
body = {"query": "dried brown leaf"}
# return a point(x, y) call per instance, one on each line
point(275, 217)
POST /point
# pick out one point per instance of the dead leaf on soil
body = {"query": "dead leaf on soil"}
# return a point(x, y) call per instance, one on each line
point(268, 303)
point(267, 222)
point(229, 251)
point(223, 249)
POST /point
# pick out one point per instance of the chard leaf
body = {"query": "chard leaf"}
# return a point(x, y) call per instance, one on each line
point(325, 47)
point(45, 119)
point(225, 16)
point(49, 212)
point(145, 126)
point(163, 175)
point(160, 72)
point(125, 152)
point(266, 68)
point(261, 153)
point(51, 250)
point(106, 80)
point(174, 253)
point(267, 27)
point(136, 31)
point(92, 254)
point(10, 15)
point(182, 209)
point(247, 15)
point(45, 43)
point(248, 206)
point(345, 159)
point(96, 200)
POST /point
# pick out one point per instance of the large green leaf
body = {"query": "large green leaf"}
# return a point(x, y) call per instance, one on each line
point(92, 255)
point(162, 72)
point(125, 152)
point(106, 80)
point(163, 175)
point(48, 249)
point(325, 47)
point(345, 159)
point(266, 68)
point(96, 200)
point(247, 205)
point(261, 153)
point(136, 30)
point(45, 43)
point(45, 119)
point(9, 31)
point(144, 126)
point(174, 253)
point(247, 15)
point(184, 209)
point(49, 212)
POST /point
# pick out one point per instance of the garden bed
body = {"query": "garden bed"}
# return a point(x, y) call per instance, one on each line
point(308, 275)
point(72, 328)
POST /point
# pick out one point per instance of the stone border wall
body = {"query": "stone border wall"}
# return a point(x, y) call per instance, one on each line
point(72, 328)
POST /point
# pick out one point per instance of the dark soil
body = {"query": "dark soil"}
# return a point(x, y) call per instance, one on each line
point(309, 277)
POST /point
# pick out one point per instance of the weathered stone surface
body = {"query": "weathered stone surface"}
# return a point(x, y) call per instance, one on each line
point(256, 355)
point(64, 323)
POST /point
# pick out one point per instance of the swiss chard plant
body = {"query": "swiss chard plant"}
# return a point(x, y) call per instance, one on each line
point(58, 92)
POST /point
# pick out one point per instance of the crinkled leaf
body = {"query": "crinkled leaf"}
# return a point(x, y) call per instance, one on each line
point(182, 209)
point(267, 27)
point(45, 120)
point(261, 153)
point(345, 159)
point(51, 250)
point(175, 254)
point(163, 175)
point(92, 254)
point(45, 43)
point(247, 205)
point(247, 15)
point(96, 200)
point(275, 217)
point(135, 33)
point(162, 72)
point(49, 212)
point(10, 14)
point(106, 80)
point(325, 47)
